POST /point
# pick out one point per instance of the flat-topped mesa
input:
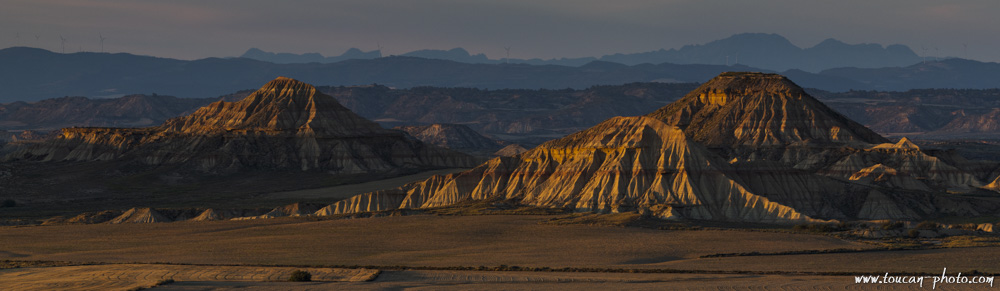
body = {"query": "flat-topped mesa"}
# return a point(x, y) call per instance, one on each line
point(735, 84)
point(283, 105)
point(760, 110)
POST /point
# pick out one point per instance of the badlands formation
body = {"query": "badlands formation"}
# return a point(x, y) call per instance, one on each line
point(286, 124)
point(745, 147)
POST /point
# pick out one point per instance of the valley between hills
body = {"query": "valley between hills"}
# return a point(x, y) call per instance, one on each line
point(744, 180)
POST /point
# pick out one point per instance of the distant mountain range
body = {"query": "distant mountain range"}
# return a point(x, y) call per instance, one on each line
point(30, 74)
point(761, 50)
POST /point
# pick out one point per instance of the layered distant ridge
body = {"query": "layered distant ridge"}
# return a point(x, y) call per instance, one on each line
point(453, 136)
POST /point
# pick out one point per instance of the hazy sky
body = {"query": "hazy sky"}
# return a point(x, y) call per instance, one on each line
point(190, 29)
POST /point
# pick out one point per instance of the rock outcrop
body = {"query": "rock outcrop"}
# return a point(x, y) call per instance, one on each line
point(286, 124)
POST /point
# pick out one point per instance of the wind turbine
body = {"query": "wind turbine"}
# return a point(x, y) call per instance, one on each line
point(102, 41)
point(379, 45)
point(63, 40)
point(36, 39)
point(507, 60)
point(17, 38)
point(966, 47)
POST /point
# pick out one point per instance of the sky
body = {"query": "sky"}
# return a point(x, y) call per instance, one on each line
point(193, 29)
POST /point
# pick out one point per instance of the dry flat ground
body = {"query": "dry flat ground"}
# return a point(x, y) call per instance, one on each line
point(127, 276)
point(420, 240)
point(427, 246)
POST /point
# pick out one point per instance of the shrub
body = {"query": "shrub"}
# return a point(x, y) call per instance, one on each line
point(913, 233)
point(890, 225)
point(8, 203)
point(300, 276)
point(818, 227)
point(928, 225)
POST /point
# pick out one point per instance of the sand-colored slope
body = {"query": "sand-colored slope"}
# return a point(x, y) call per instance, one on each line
point(623, 164)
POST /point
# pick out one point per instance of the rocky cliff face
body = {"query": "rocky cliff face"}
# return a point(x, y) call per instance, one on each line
point(284, 125)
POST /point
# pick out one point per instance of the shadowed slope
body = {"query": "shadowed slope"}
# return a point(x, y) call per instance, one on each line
point(738, 110)
point(282, 105)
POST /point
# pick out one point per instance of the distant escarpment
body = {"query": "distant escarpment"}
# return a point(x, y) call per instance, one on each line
point(745, 147)
point(127, 111)
point(453, 136)
point(286, 124)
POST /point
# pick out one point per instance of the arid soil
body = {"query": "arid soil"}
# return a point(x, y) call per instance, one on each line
point(448, 253)
point(423, 240)
point(126, 276)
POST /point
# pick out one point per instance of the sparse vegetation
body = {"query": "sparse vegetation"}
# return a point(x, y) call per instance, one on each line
point(616, 219)
point(890, 225)
point(300, 276)
point(928, 225)
point(493, 207)
point(967, 241)
point(821, 227)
